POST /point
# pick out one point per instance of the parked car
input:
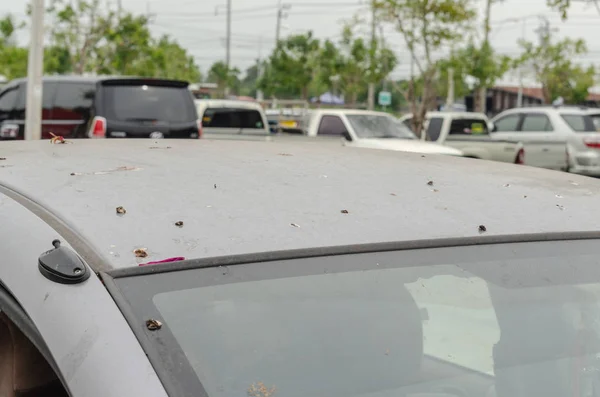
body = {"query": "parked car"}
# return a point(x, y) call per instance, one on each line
point(562, 137)
point(370, 130)
point(103, 107)
point(223, 118)
point(468, 132)
point(325, 272)
point(594, 113)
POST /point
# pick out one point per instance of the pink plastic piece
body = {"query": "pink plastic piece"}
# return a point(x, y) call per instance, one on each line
point(176, 259)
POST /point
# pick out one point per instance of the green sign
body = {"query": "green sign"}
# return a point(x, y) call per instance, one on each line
point(385, 98)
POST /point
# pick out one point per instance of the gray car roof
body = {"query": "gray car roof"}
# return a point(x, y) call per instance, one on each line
point(238, 197)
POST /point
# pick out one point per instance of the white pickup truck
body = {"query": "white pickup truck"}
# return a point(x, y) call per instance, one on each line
point(371, 130)
point(470, 133)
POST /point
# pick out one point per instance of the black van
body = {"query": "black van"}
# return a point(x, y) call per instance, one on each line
point(104, 107)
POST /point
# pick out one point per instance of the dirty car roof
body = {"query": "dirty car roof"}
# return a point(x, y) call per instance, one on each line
point(237, 197)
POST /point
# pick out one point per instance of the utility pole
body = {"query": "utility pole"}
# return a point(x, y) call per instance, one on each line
point(149, 14)
point(278, 25)
point(386, 61)
point(280, 15)
point(259, 70)
point(520, 69)
point(35, 69)
point(486, 43)
point(371, 90)
point(450, 97)
point(228, 51)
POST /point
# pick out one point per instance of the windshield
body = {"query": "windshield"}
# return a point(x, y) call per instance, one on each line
point(232, 118)
point(379, 126)
point(520, 319)
point(580, 122)
point(149, 103)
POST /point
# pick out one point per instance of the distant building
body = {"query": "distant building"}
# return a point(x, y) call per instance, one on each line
point(204, 90)
point(502, 97)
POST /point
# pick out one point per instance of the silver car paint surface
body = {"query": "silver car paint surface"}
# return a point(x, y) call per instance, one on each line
point(238, 197)
point(92, 344)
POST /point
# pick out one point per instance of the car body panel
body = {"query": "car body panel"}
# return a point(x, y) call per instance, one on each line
point(483, 147)
point(562, 148)
point(293, 199)
point(80, 323)
point(404, 145)
point(544, 149)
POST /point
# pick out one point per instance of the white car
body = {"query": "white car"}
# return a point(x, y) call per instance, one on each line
point(222, 118)
point(469, 133)
point(371, 130)
point(563, 137)
point(595, 115)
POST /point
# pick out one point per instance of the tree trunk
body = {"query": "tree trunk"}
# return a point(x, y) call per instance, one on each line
point(547, 96)
point(479, 98)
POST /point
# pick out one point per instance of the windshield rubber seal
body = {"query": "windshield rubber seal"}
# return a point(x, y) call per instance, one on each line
point(152, 348)
point(269, 256)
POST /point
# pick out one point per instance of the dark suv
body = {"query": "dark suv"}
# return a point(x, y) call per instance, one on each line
point(103, 107)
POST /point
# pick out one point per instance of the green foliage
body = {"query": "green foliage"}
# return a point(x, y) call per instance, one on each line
point(86, 36)
point(13, 59)
point(553, 67)
point(223, 76)
point(80, 26)
point(57, 60)
point(563, 6)
point(292, 66)
point(358, 62)
point(248, 86)
point(127, 47)
point(483, 63)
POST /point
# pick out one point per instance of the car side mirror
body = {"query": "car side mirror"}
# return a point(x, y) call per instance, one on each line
point(492, 127)
point(347, 136)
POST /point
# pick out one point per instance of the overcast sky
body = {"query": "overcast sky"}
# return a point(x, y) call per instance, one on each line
point(194, 24)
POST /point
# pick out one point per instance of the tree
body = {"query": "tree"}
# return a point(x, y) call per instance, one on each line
point(128, 45)
point(57, 60)
point(330, 64)
point(484, 64)
point(563, 5)
point(223, 76)
point(360, 63)
point(167, 59)
point(249, 84)
point(553, 67)
point(292, 66)
point(426, 26)
point(80, 27)
point(13, 59)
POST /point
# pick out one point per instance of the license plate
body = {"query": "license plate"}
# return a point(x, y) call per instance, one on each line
point(289, 124)
point(9, 131)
